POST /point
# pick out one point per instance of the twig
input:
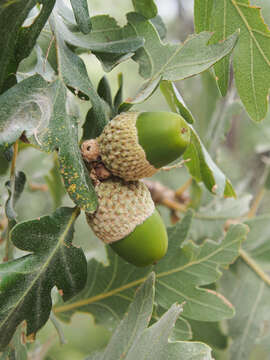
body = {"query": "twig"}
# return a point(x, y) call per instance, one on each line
point(165, 196)
point(47, 53)
point(175, 166)
point(183, 188)
point(255, 267)
point(252, 212)
point(256, 203)
point(38, 187)
point(173, 205)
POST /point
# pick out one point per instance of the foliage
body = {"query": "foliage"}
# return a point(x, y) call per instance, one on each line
point(209, 296)
point(254, 40)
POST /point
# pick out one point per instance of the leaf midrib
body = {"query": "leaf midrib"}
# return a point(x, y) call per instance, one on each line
point(250, 30)
point(44, 267)
point(134, 283)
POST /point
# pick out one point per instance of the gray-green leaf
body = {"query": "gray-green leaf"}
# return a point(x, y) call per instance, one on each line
point(132, 339)
point(179, 277)
point(60, 133)
point(147, 8)
point(202, 168)
point(20, 111)
point(80, 9)
point(174, 62)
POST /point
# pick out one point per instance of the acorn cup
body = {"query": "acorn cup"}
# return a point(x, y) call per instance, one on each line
point(135, 145)
point(127, 220)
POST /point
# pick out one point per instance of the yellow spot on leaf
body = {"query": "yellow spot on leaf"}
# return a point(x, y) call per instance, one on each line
point(72, 188)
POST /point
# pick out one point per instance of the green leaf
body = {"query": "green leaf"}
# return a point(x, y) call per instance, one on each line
point(160, 27)
point(12, 16)
point(183, 270)
point(202, 15)
point(153, 342)
point(118, 99)
point(15, 188)
point(26, 282)
point(147, 8)
point(104, 90)
point(36, 63)
point(4, 163)
point(74, 74)
point(60, 133)
point(133, 324)
point(174, 62)
point(209, 223)
point(258, 240)
point(226, 112)
point(175, 100)
point(55, 184)
point(247, 286)
point(16, 42)
point(179, 277)
point(107, 40)
point(182, 330)
point(209, 333)
point(28, 35)
point(267, 181)
point(133, 340)
point(251, 59)
point(80, 9)
point(250, 296)
point(202, 168)
point(188, 351)
point(195, 195)
point(146, 90)
point(20, 110)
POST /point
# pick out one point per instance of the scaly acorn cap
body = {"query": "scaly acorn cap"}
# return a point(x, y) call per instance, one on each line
point(135, 145)
point(127, 220)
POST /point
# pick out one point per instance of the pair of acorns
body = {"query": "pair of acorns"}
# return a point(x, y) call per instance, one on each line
point(133, 146)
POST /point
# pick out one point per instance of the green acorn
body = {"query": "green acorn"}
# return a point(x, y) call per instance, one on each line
point(127, 220)
point(135, 145)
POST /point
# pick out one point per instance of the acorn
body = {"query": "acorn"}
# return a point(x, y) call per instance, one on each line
point(134, 145)
point(127, 220)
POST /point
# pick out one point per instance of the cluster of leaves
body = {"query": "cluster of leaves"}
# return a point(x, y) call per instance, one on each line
point(40, 67)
